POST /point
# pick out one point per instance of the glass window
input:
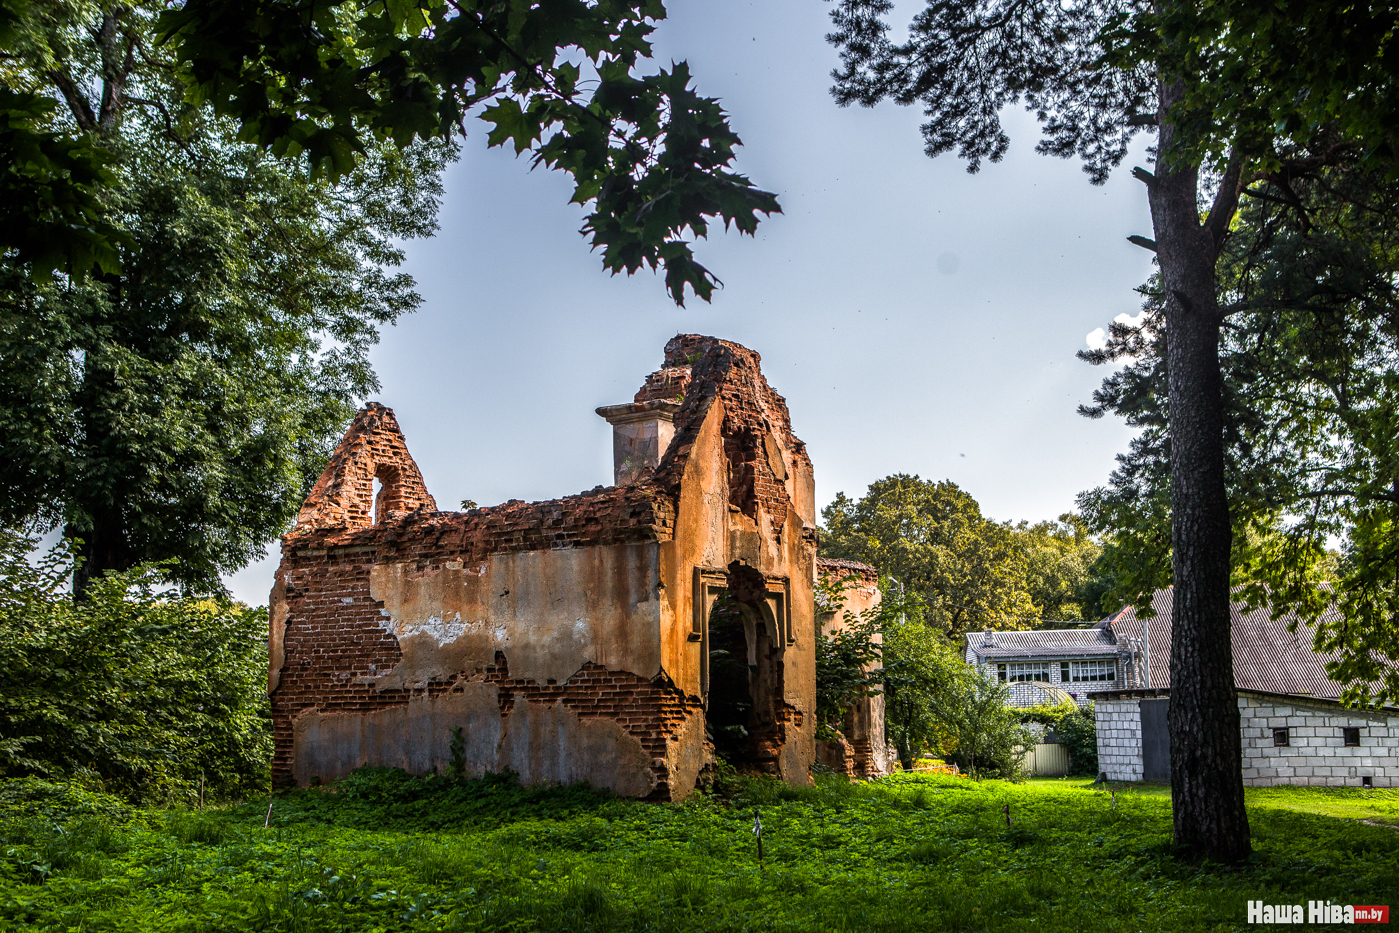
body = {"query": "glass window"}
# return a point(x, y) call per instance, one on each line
point(1280, 738)
point(1087, 671)
point(1064, 672)
point(1032, 671)
point(1350, 735)
point(1001, 673)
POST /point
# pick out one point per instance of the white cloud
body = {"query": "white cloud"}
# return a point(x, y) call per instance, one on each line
point(1097, 338)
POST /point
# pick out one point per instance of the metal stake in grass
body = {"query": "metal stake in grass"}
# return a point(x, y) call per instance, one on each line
point(1114, 799)
point(1006, 811)
point(758, 833)
point(268, 822)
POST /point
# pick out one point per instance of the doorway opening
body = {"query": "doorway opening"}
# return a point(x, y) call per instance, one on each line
point(743, 715)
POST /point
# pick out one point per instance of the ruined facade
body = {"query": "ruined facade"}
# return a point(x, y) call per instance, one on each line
point(617, 636)
point(861, 750)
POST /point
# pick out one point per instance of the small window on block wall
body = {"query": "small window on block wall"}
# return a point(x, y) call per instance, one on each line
point(1350, 735)
point(1280, 738)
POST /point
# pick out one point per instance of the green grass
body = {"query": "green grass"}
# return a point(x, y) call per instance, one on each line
point(1380, 805)
point(384, 852)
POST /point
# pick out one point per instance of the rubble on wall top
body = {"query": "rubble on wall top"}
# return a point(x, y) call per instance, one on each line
point(836, 565)
point(697, 369)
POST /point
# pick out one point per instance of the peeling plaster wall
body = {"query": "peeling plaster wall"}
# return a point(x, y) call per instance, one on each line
point(554, 640)
point(549, 612)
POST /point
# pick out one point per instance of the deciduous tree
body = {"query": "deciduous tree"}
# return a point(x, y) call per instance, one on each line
point(560, 79)
point(1311, 402)
point(179, 408)
point(968, 571)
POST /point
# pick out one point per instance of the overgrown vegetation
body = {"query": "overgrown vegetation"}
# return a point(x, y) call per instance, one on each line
point(155, 696)
point(1076, 729)
point(847, 658)
point(385, 852)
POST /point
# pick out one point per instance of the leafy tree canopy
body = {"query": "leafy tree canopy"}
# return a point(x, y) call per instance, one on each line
point(1240, 96)
point(181, 407)
point(51, 215)
point(1310, 375)
point(933, 539)
point(558, 79)
point(969, 571)
point(1060, 572)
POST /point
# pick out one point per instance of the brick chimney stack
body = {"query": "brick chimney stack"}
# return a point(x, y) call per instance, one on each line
point(641, 432)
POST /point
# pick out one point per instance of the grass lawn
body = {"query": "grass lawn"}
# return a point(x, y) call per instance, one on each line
point(1351, 803)
point(385, 852)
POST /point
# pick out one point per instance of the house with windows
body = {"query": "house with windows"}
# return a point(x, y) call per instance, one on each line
point(1051, 665)
point(1294, 728)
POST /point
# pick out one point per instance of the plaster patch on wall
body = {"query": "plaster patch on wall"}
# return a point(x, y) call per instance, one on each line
point(550, 612)
point(415, 736)
point(551, 744)
point(276, 633)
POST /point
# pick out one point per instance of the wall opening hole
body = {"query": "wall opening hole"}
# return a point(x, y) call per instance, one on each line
point(376, 502)
point(1367, 781)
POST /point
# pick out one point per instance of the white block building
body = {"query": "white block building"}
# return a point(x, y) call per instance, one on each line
point(1293, 727)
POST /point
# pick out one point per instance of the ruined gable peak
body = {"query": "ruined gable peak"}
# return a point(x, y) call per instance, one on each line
point(373, 448)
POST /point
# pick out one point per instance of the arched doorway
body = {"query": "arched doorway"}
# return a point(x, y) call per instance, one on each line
point(745, 641)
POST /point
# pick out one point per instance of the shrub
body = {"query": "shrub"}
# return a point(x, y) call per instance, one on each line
point(1078, 731)
point(151, 693)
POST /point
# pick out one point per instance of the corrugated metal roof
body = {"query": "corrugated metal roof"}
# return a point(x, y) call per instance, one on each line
point(1267, 657)
point(1049, 651)
point(1043, 643)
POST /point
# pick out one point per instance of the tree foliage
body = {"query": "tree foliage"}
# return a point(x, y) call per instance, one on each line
point(914, 662)
point(181, 407)
point(985, 736)
point(558, 79)
point(152, 694)
point(846, 657)
point(968, 571)
point(1239, 96)
point(52, 215)
point(1313, 414)
point(1060, 571)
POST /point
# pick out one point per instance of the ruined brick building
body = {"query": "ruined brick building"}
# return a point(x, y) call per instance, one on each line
point(616, 636)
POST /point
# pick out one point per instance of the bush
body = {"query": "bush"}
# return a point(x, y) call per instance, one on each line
point(990, 738)
point(150, 693)
point(1078, 731)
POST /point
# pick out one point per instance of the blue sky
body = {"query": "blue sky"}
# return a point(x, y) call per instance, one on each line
point(918, 319)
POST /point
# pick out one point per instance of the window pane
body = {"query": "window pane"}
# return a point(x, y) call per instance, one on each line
point(1081, 671)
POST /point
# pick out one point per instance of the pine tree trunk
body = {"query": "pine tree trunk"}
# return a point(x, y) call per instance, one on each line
point(1203, 720)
